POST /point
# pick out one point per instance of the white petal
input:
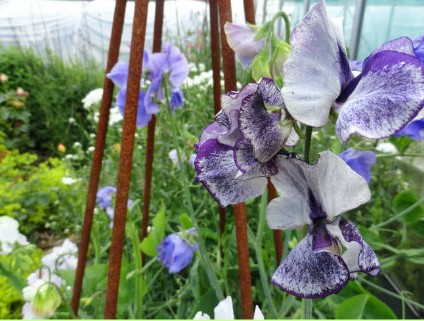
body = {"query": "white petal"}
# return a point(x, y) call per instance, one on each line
point(201, 316)
point(224, 310)
point(287, 213)
point(258, 314)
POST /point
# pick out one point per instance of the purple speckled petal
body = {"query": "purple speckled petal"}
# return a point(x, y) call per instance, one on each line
point(271, 94)
point(307, 274)
point(260, 128)
point(217, 171)
point(358, 255)
point(330, 185)
point(213, 130)
point(389, 94)
point(248, 164)
point(317, 68)
point(402, 44)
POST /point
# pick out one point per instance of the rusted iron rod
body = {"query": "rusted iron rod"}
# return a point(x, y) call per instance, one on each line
point(229, 67)
point(278, 237)
point(249, 11)
point(125, 158)
point(150, 146)
point(96, 165)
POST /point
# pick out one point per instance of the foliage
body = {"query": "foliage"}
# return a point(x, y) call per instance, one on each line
point(55, 92)
point(34, 194)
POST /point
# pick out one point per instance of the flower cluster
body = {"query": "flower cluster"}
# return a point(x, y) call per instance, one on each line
point(9, 235)
point(248, 141)
point(165, 70)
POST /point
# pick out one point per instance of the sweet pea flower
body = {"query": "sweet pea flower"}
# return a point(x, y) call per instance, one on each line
point(170, 68)
point(176, 251)
point(224, 311)
point(104, 196)
point(41, 295)
point(62, 257)
point(387, 94)
point(360, 161)
point(333, 250)
point(236, 152)
point(414, 130)
point(9, 235)
point(241, 38)
point(119, 76)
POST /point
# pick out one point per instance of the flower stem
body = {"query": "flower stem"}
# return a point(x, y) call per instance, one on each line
point(307, 148)
point(285, 17)
point(399, 215)
point(202, 249)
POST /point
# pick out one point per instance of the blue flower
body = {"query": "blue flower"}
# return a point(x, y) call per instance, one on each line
point(360, 161)
point(104, 196)
point(414, 130)
point(119, 75)
point(177, 250)
point(171, 66)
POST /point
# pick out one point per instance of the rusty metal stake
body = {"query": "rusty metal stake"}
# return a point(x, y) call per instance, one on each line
point(150, 146)
point(96, 166)
point(239, 209)
point(249, 11)
point(126, 155)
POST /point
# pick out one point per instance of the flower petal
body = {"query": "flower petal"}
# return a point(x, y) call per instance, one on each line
point(330, 185)
point(414, 130)
point(307, 274)
point(119, 74)
point(245, 160)
point(287, 213)
point(385, 97)
point(360, 161)
point(217, 171)
point(317, 68)
point(260, 128)
point(224, 310)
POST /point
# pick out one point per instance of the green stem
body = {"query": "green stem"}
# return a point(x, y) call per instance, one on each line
point(202, 249)
point(286, 19)
point(400, 297)
point(397, 216)
point(139, 266)
point(400, 155)
point(307, 148)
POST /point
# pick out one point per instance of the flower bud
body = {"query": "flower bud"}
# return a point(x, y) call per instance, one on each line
point(3, 78)
point(46, 300)
point(61, 148)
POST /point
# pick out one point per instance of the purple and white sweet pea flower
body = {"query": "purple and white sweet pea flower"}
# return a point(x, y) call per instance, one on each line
point(387, 95)
point(360, 161)
point(236, 152)
point(333, 250)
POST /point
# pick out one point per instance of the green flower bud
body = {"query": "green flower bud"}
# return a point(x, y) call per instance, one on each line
point(46, 300)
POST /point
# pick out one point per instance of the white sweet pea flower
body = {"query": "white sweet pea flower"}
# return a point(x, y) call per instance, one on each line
point(62, 257)
point(224, 311)
point(69, 180)
point(9, 235)
point(92, 98)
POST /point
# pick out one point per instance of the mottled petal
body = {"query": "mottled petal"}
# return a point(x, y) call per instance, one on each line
point(260, 128)
point(331, 184)
point(360, 161)
point(217, 171)
point(317, 68)
point(402, 44)
point(241, 39)
point(248, 164)
point(213, 130)
point(388, 94)
point(307, 274)
point(271, 94)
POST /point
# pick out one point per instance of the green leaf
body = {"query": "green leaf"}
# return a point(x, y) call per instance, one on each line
point(404, 200)
point(185, 221)
point(263, 31)
point(402, 143)
point(260, 65)
point(418, 228)
point(152, 241)
point(364, 306)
